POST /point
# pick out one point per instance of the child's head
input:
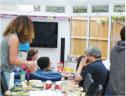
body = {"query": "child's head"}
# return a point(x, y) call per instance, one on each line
point(43, 62)
point(32, 54)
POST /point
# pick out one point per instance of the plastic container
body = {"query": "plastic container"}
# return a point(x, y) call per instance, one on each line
point(48, 85)
point(58, 85)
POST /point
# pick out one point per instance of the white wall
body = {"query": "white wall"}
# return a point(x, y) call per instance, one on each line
point(3, 24)
point(53, 53)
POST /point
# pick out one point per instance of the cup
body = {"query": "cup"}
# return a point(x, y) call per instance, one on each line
point(48, 84)
point(58, 85)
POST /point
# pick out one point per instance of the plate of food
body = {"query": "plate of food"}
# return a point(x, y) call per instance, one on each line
point(37, 83)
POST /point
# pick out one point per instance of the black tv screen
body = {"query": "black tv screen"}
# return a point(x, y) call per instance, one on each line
point(46, 34)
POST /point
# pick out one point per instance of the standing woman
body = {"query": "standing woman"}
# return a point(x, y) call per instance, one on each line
point(20, 30)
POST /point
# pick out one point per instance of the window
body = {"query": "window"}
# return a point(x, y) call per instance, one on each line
point(7, 7)
point(80, 9)
point(104, 8)
point(119, 8)
point(36, 7)
point(57, 9)
point(26, 8)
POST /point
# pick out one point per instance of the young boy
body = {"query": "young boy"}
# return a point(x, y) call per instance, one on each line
point(45, 72)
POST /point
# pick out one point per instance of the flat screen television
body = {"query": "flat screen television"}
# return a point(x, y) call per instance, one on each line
point(46, 34)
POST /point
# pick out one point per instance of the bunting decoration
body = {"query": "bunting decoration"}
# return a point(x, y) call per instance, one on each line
point(43, 18)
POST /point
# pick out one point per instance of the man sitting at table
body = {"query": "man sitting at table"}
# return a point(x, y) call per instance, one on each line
point(95, 67)
point(45, 72)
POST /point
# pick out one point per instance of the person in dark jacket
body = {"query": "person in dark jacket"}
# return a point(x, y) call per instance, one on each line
point(116, 84)
point(45, 72)
point(94, 66)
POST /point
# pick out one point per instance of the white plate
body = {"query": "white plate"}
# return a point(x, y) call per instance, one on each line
point(46, 93)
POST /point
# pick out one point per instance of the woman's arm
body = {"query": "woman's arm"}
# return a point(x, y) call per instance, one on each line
point(13, 53)
point(82, 64)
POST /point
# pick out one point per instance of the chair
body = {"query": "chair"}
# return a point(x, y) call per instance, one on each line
point(98, 91)
point(87, 82)
point(105, 84)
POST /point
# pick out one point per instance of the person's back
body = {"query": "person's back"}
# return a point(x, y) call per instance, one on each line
point(44, 73)
point(117, 72)
point(98, 72)
point(116, 85)
point(95, 67)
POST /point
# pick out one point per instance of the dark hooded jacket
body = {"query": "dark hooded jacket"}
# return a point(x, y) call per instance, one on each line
point(116, 83)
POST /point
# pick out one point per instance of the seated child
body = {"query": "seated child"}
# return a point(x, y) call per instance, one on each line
point(32, 55)
point(45, 72)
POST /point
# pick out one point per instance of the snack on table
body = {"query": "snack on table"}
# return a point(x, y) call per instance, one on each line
point(20, 93)
point(37, 83)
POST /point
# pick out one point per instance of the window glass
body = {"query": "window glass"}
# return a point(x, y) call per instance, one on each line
point(104, 8)
point(80, 9)
point(26, 8)
point(119, 8)
point(58, 9)
point(7, 7)
point(36, 7)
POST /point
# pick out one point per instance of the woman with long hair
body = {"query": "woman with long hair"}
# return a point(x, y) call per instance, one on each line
point(20, 30)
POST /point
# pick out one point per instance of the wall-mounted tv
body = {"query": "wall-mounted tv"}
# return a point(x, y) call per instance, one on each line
point(46, 34)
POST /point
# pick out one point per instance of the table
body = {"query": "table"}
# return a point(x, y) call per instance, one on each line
point(69, 88)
